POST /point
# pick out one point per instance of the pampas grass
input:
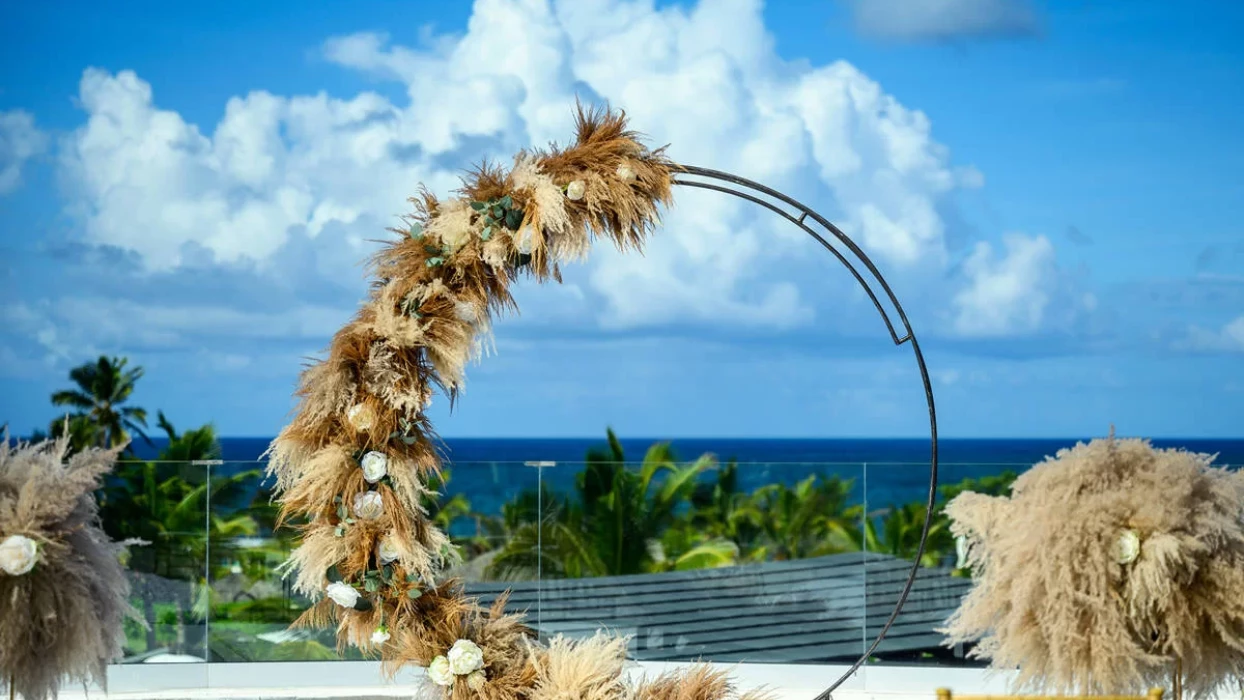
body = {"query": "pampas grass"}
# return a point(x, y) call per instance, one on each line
point(1052, 599)
point(435, 291)
point(62, 619)
point(588, 669)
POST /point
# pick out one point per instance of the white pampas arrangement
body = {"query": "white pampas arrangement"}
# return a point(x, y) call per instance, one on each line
point(63, 591)
point(1112, 567)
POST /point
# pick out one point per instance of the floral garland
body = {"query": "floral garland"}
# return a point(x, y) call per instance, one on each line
point(354, 462)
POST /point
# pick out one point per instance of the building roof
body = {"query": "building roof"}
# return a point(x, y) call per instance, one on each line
point(824, 609)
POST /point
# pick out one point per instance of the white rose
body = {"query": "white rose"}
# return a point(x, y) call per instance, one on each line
point(361, 416)
point(368, 505)
point(388, 552)
point(524, 240)
point(625, 174)
point(380, 636)
point(1126, 547)
point(476, 681)
point(455, 237)
point(18, 555)
point(465, 657)
point(375, 466)
point(440, 673)
point(576, 190)
point(343, 594)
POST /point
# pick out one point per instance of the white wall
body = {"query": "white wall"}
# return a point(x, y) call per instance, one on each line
point(362, 680)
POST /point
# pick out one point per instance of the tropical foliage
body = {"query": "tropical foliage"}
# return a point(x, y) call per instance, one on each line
point(620, 517)
point(100, 416)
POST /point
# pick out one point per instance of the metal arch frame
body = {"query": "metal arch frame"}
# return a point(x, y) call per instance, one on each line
point(736, 186)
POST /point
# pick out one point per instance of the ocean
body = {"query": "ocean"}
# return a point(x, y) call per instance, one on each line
point(490, 472)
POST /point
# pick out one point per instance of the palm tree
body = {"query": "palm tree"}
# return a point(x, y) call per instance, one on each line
point(813, 518)
point(103, 386)
point(621, 520)
point(80, 429)
point(197, 444)
point(900, 535)
point(164, 503)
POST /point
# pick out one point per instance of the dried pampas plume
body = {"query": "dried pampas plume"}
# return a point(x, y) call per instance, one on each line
point(63, 591)
point(1108, 564)
point(351, 465)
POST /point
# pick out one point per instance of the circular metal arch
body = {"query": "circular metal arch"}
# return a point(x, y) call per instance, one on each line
point(718, 181)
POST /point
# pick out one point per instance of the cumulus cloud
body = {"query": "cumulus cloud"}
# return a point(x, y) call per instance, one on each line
point(940, 20)
point(698, 78)
point(242, 239)
point(74, 327)
point(1228, 338)
point(20, 140)
point(1006, 292)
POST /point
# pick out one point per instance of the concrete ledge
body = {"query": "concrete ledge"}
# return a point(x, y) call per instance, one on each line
point(359, 680)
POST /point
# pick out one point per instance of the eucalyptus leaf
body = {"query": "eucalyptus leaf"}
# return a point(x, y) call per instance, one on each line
point(411, 578)
point(513, 218)
point(507, 202)
point(339, 532)
point(371, 586)
point(342, 512)
point(362, 604)
point(414, 593)
point(434, 262)
point(486, 233)
point(349, 521)
point(410, 439)
point(416, 230)
point(333, 574)
point(478, 206)
point(497, 212)
point(431, 249)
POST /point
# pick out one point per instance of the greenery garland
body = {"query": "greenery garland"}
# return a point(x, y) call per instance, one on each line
point(359, 454)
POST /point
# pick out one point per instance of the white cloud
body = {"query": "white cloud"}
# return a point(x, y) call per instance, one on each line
point(20, 140)
point(913, 20)
point(74, 327)
point(334, 172)
point(699, 78)
point(1006, 293)
point(1229, 338)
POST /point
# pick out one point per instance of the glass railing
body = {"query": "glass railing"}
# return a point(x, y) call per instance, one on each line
point(754, 562)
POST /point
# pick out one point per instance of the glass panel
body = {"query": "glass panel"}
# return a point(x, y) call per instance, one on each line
point(253, 605)
point(165, 505)
point(724, 562)
point(496, 528)
point(897, 496)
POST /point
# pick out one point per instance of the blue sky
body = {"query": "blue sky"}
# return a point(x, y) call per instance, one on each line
point(1053, 189)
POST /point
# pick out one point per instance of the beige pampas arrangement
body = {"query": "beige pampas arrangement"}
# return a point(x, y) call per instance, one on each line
point(353, 464)
point(1110, 566)
point(63, 591)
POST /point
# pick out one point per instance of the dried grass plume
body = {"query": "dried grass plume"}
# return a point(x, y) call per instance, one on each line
point(63, 617)
point(355, 461)
point(1107, 563)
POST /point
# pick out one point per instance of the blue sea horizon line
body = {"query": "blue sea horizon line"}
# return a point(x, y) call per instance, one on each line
point(1016, 453)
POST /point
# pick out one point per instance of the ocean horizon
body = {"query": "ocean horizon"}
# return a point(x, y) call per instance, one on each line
point(883, 472)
